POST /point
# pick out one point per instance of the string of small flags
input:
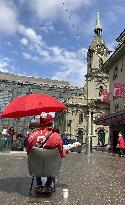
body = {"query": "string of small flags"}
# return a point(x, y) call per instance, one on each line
point(74, 26)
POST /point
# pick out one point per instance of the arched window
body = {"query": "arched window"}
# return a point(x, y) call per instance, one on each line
point(100, 62)
point(100, 90)
point(81, 118)
point(101, 137)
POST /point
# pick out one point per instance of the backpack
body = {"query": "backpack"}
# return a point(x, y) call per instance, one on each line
point(38, 139)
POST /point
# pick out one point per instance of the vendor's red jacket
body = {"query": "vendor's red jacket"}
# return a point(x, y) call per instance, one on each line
point(38, 137)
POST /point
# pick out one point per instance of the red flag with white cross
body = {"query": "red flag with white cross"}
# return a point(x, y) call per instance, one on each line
point(105, 96)
point(118, 90)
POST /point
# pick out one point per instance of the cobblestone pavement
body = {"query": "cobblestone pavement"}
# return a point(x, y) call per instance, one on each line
point(98, 179)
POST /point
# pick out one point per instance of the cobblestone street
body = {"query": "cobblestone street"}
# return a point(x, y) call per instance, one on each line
point(97, 180)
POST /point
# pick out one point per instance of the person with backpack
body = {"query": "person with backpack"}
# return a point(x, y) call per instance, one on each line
point(48, 138)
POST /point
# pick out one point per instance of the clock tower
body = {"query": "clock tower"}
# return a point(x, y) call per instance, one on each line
point(96, 79)
point(97, 52)
point(84, 108)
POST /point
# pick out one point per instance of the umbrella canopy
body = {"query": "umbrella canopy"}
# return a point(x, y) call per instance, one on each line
point(32, 104)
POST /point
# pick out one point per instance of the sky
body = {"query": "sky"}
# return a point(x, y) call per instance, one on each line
point(50, 38)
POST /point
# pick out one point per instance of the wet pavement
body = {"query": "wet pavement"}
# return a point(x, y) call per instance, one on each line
point(95, 180)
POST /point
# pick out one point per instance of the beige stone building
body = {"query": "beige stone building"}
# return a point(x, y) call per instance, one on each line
point(84, 108)
point(12, 85)
point(115, 67)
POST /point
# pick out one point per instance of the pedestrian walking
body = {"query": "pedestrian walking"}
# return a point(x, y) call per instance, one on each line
point(11, 132)
point(121, 144)
point(7, 140)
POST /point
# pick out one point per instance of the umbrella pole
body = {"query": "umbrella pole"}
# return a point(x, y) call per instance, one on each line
point(25, 126)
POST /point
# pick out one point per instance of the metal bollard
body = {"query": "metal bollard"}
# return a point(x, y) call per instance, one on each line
point(89, 145)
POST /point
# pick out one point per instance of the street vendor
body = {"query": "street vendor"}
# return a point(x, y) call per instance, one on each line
point(37, 138)
point(48, 138)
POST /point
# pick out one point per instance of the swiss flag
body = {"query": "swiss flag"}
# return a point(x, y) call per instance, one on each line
point(118, 90)
point(105, 96)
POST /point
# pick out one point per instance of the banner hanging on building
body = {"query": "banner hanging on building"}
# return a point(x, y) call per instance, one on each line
point(105, 96)
point(118, 90)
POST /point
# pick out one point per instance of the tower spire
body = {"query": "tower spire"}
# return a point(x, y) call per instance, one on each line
point(98, 29)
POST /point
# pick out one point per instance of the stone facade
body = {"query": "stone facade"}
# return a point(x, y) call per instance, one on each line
point(12, 85)
point(115, 68)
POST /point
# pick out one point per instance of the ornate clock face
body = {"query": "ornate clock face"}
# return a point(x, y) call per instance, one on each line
point(100, 50)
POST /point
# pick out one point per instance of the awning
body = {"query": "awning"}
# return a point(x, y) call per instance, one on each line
point(111, 119)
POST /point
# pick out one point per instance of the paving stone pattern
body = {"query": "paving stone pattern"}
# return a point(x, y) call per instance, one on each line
point(95, 180)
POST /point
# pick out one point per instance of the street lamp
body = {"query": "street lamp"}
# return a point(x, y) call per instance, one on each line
point(89, 122)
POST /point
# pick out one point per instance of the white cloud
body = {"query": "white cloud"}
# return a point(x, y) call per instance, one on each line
point(30, 34)
point(47, 27)
point(29, 56)
point(45, 10)
point(55, 9)
point(4, 64)
point(42, 52)
point(24, 41)
point(72, 66)
point(36, 43)
point(8, 17)
point(73, 71)
point(56, 50)
point(111, 46)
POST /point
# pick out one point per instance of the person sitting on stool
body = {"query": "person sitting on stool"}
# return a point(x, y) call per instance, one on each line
point(54, 140)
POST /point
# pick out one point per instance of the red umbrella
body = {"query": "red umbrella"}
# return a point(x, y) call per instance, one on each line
point(32, 104)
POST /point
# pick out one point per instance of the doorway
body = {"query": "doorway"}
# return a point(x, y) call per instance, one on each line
point(80, 135)
point(115, 140)
point(101, 137)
